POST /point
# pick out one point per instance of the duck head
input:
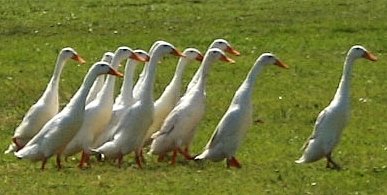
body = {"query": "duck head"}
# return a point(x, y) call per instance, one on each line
point(70, 53)
point(269, 58)
point(224, 46)
point(358, 51)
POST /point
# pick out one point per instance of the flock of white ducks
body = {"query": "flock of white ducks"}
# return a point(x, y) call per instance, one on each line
point(93, 123)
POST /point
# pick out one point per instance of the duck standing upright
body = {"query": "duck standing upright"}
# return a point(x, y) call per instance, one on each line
point(131, 129)
point(98, 83)
point(179, 127)
point(234, 124)
point(137, 87)
point(332, 120)
point(123, 101)
point(98, 112)
point(59, 130)
point(46, 107)
point(171, 95)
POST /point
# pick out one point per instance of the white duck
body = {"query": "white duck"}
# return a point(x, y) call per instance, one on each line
point(131, 129)
point(123, 101)
point(98, 112)
point(126, 93)
point(179, 127)
point(98, 83)
point(217, 43)
point(59, 130)
point(46, 107)
point(137, 87)
point(332, 120)
point(232, 128)
point(171, 95)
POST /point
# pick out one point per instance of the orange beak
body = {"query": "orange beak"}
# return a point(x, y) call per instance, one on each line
point(370, 56)
point(78, 59)
point(113, 71)
point(135, 56)
point(232, 51)
point(281, 64)
point(199, 57)
point(147, 58)
point(226, 59)
point(177, 53)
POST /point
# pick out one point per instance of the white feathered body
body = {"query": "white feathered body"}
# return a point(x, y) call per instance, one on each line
point(54, 135)
point(130, 131)
point(38, 115)
point(328, 128)
point(163, 106)
point(179, 127)
point(232, 128)
point(97, 116)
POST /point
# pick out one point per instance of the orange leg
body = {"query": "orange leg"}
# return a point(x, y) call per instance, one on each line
point(185, 153)
point(142, 156)
point(161, 158)
point(85, 159)
point(233, 162)
point(58, 164)
point(119, 160)
point(43, 164)
point(174, 155)
point(331, 162)
point(138, 158)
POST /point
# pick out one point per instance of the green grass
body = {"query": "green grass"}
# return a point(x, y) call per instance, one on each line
point(311, 36)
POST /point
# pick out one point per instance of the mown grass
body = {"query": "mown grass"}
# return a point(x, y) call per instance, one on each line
point(311, 36)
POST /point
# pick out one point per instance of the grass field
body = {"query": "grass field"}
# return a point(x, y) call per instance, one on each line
point(311, 36)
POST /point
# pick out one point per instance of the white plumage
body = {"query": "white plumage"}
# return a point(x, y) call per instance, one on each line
point(46, 107)
point(98, 83)
point(131, 129)
point(217, 43)
point(98, 112)
point(332, 120)
point(179, 127)
point(123, 101)
point(171, 95)
point(58, 131)
point(232, 128)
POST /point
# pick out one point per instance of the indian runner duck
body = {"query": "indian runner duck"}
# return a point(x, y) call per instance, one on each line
point(123, 101)
point(98, 83)
point(59, 130)
point(47, 105)
point(171, 94)
point(131, 129)
point(179, 127)
point(232, 128)
point(332, 120)
point(98, 112)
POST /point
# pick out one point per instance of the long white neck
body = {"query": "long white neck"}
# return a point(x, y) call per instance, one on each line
point(146, 90)
point(107, 91)
point(79, 99)
point(203, 76)
point(245, 91)
point(126, 94)
point(176, 81)
point(344, 86)
point(53, 85)
point(140, 81)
